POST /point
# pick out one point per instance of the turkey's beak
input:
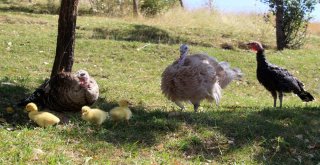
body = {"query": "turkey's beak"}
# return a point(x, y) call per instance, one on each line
point(249, 46)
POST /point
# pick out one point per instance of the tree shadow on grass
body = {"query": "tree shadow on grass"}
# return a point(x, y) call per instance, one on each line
point(34, 8)
point(284, 136)
point(38, 8)
point(141, 33)
point(274, 136)
point(10, 94)
point(144, 129)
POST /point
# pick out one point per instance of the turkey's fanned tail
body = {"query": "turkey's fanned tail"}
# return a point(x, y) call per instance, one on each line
point(305, 96)
point(228, 74)
point(37, 96)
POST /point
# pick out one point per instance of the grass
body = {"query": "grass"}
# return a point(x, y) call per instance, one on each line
point(244, 129)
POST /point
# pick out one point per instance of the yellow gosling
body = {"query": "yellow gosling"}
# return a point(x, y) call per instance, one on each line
point(122, 112)
point(43, 119)
point(94, 116)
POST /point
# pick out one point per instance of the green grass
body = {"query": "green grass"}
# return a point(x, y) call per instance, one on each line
point(244, 129)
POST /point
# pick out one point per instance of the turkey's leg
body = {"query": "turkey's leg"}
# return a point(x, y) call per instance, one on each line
point(179, 104)
point(274, 95)
point(280, 98)
point(196, 106)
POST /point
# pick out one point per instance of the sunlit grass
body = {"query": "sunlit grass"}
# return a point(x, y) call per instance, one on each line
point(243, 129)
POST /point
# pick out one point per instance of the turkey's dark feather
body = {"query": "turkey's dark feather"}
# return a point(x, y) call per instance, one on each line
point(275, 78)
point(63, 92)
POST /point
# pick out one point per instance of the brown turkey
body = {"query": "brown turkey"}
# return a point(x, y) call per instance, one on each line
point(195, 78)
point(276, 79)
point(65, 92)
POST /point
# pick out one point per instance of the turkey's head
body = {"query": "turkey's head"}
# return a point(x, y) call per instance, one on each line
point(124, 103)
point(184, 49)
point(31, 107)
point(255, 46)
point(85, 110)
point(83, 77)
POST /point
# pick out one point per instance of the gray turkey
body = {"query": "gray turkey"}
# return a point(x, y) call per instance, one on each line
point(276, 79)
point(65, 92)
point(195, 78)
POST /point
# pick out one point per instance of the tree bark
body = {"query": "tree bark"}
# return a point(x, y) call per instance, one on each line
point(135, 8)
point(280, 35)
point(181, 3)
point(66, 37)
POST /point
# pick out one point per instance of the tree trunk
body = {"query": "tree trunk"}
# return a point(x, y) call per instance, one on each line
point(281, 37)
point(66, 37)
point(181, 3)
point(135, 8)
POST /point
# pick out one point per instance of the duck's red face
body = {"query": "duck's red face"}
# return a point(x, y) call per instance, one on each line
point(255, 46)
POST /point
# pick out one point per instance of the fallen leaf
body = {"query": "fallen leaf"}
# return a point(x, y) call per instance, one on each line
point(87, 159)
point(3, 120)
point(37, 151)
point(160, 147)
point(299, 158)
point(9, 110)
point(310, 155)
point(299, 136)
point(10, 129)
point(314, 146)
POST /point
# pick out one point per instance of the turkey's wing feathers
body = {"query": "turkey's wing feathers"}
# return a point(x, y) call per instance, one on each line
point(63, 92)
point(285, 80)
point(187, 83)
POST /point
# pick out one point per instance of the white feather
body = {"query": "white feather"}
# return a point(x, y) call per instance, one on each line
point(216, 92)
